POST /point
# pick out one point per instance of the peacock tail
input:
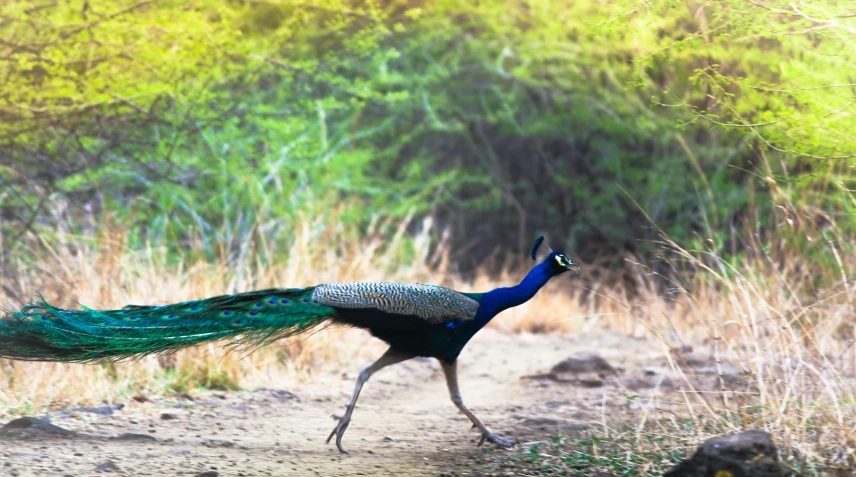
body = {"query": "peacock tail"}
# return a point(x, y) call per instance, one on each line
point(42, 332)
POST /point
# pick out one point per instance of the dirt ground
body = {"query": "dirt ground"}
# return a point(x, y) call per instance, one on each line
point(404, 423)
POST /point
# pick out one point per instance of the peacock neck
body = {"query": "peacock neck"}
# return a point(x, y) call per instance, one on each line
point(500, 299)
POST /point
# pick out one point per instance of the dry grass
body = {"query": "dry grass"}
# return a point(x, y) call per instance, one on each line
point(793, 351)
point(793, 342)
point(781, 314)
point(101, 272)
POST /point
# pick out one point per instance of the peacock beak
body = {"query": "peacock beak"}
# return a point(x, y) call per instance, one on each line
point(572, 266)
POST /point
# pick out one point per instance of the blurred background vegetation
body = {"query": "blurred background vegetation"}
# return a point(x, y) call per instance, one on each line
point(205, 124)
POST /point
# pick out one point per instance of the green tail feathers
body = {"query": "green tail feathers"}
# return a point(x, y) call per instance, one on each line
point(41, 332)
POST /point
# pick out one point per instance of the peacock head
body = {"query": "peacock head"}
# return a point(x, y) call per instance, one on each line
point(559, 262)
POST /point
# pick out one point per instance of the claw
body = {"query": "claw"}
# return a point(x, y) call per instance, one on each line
point(339, 431)
point(500, 441)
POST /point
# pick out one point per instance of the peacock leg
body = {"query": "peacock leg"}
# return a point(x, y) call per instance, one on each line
point(451, 372)
point(391, 356)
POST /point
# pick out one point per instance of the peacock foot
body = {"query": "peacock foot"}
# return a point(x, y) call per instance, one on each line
point(500, 441)
point(339, 431)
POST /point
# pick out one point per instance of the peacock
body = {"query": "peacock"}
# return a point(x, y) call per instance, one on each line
point(414, 319)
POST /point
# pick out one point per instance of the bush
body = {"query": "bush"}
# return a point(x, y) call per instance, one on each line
point(502, 122)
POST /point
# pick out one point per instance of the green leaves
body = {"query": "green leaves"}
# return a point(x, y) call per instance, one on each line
point(198, 115)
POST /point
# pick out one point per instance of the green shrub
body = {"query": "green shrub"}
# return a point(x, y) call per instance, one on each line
point(503, 120)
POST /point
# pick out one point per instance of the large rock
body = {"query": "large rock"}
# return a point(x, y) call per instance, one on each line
point(584, 363)
point(583, 369)
point(107, 466)
point(29, 426)
point(685, 357)
point(745, 454)
point(103, 410)
point(130, 436)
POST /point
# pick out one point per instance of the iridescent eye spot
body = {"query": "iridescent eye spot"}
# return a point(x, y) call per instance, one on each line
point(260, 305)
point(125, 312)
point(132, 318)
point(305, 300)
point(254, 313)
point(44, 318)
point(228, 313)
point(196, 308)
point(170, 317)
point(284, 301)
point(272, 301)
point(238, 322)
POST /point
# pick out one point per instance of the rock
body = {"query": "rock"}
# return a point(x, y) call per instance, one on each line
point(685, 354)
point(130, 436)
point(279, 394)
point(637, 383)
point(584, 363)
point(33, 425)
point(590, 382)
point(208, 473)
point(103, 410)
point(745, 454)
point(582, 369)
point(551, 424)
point(557, 403)
point(647, 381)
point(702, 364)
point(217, 443)
point(107, 466)
point(168, 416)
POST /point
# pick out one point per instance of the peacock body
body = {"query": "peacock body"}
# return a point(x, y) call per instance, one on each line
point(414, 319)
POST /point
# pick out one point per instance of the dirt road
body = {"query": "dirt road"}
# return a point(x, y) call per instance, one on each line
point(404, 423)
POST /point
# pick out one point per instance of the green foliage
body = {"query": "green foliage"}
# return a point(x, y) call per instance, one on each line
point(778, 73)
point(203, 119)
point(628, 451)
point(596, 455)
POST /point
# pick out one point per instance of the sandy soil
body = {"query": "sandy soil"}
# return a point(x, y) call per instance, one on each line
point(404, 423)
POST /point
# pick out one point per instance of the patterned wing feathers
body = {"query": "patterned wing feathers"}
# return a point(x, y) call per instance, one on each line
point(431, 303)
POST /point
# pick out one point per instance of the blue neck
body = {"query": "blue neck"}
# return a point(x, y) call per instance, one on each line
point(500, 299)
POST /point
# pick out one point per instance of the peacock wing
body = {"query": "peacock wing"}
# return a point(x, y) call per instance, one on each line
point(431, 303)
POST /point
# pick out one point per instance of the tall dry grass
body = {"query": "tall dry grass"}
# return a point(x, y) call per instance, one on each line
point(787, 323)
point(781, 312)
